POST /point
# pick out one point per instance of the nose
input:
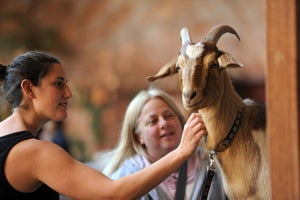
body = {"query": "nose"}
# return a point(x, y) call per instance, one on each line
point(68, 92)
point(163, 123)
point(189, 94)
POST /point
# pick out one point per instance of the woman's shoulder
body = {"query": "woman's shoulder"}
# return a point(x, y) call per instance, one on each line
point(32, 148)
point(134, 163)
point(129, 166)
point(30, 158)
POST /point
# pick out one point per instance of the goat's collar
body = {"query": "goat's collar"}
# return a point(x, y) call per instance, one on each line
point(226, 142)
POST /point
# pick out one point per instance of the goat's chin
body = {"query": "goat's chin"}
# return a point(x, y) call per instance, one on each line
point(193, 107)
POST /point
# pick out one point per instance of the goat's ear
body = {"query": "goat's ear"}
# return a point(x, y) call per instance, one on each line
point(226, 60)
point(167, 70)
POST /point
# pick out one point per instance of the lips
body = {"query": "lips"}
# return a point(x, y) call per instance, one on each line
point(65, 105)
point(167, 134)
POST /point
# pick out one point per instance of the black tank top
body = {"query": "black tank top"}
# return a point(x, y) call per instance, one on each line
point(7, 192)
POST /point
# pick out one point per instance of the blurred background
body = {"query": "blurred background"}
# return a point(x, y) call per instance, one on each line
point(108, 48)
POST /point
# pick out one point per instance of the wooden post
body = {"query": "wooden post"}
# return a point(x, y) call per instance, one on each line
point(282, 91)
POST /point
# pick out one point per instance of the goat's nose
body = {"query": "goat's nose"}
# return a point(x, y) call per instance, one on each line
point(189, 95)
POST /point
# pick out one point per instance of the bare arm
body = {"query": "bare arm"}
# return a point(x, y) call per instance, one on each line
point(60, 171)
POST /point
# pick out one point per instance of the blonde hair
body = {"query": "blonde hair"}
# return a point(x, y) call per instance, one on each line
point(128, 144)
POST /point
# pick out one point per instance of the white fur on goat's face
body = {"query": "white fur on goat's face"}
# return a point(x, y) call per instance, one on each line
point(197, 64)
point(201, 68)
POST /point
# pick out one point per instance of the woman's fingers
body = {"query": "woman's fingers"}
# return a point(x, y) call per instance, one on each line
point(193, 130)
point(195, 123)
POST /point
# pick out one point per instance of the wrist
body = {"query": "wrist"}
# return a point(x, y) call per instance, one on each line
point(181, 155)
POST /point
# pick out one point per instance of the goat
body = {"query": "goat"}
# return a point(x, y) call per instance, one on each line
point(242, 154)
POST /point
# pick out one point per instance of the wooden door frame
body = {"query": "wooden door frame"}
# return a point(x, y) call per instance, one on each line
point(282, 91)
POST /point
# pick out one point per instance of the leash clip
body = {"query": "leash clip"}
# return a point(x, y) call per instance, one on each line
point(211, 159)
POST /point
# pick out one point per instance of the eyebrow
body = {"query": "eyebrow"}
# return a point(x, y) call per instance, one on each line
point(61, 78)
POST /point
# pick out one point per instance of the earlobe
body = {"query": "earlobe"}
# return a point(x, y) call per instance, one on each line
point(140, 139)
point(27, 89)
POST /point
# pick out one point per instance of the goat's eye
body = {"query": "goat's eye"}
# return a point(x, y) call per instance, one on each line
point(178, 68)
point(214, 66)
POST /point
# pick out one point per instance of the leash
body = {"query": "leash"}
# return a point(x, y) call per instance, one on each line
point(223, 145)
point(210, 174)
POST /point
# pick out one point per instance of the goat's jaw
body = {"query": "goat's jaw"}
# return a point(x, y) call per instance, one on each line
point(192, 105)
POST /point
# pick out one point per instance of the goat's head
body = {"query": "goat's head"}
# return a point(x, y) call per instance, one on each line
point(200, 67)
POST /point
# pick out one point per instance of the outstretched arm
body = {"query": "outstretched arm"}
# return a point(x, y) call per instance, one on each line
point(53, 166)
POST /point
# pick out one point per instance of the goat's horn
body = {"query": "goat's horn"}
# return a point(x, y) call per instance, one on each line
point(185, 36)
point(216, 32)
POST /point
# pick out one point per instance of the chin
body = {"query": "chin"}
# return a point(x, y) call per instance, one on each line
point(172, 147)
point(61, 117)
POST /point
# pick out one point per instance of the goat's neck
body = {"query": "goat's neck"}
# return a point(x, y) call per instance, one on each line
point(219, 117)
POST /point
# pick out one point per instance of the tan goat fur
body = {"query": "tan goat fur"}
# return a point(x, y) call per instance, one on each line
point(207, 88)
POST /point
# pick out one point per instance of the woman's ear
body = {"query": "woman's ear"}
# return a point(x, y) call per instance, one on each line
point(27, 88)
point(140, 138)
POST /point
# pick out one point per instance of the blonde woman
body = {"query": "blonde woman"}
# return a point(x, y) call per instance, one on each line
point(153, 127)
